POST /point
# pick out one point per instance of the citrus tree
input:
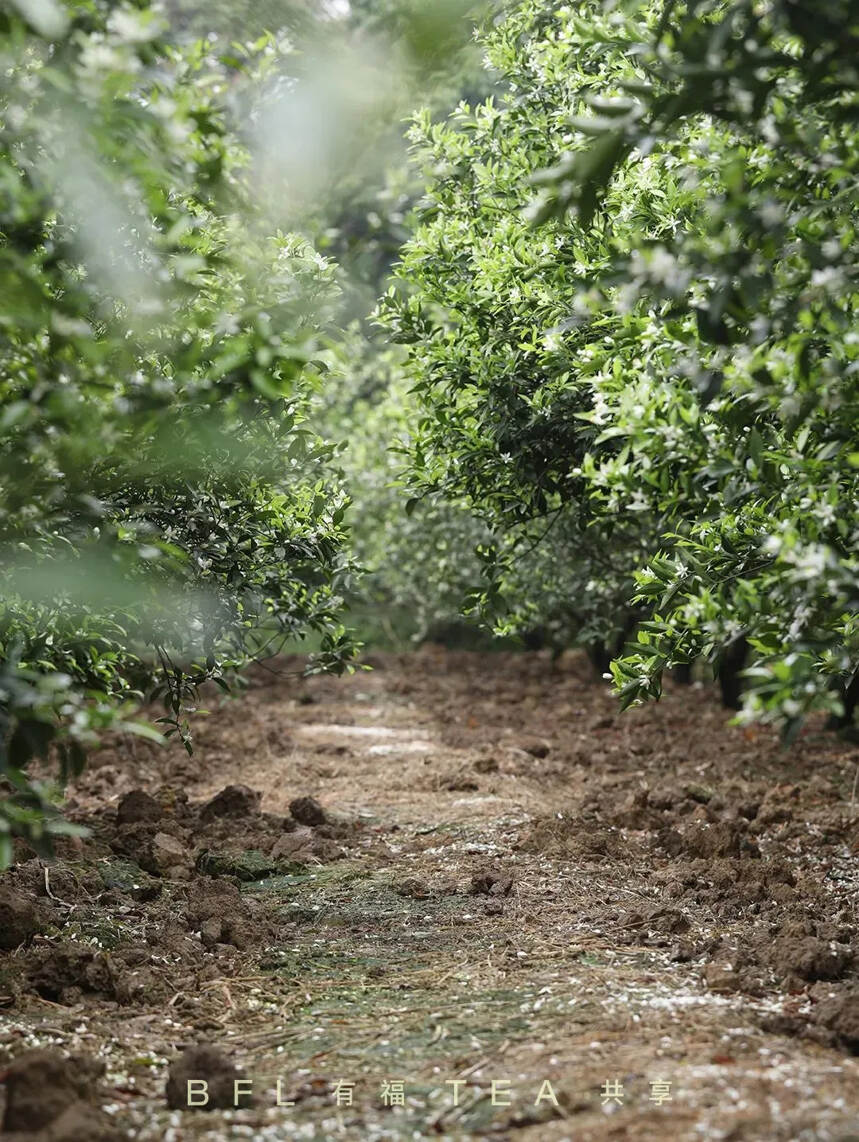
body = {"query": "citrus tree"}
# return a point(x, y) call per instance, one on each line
point(630, 305)
point(499, 339)
point(745, 440)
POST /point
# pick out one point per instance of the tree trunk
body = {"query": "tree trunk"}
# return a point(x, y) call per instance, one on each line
point(732, 662)
point(849, 698)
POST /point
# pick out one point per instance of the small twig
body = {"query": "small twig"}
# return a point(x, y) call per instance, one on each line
point(65, 903)
point(474, 1067)
point(48, 883)
point(234, 979)
point(50, 1003)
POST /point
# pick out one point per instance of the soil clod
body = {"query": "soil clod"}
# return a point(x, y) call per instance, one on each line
point(233, 801)
point(492, 882)
point(840, 1016)
point(43, 1085)
point(809, 958)
point(208, 1065)
point(21, 918)
point(166, 856)
point(536, 747)
point(307, 811)
point(138, 806)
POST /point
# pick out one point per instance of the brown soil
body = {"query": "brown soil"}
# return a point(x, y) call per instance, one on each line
point(49, 1098)
point(454, 867)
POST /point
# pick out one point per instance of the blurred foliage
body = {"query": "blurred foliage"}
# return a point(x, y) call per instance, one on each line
point(162, 499)
point(419, 558)
point(363, 215)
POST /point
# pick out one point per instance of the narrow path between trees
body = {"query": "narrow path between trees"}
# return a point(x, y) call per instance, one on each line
point(639, 926)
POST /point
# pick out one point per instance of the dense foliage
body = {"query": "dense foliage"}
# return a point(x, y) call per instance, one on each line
point(667, 360)
point(754, 109)
point(489, 313)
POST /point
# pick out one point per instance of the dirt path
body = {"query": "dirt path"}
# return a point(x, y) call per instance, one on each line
point(514, 883)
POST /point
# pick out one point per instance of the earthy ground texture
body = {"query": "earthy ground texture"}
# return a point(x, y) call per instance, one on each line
point(453, 867)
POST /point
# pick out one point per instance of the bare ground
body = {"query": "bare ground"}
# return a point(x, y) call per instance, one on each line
point(511, 882)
